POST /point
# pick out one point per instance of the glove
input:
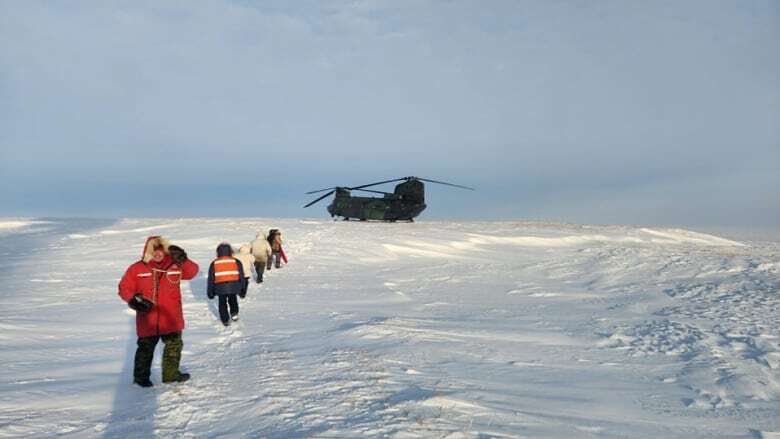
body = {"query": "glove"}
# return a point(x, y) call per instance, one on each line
point(140, 303)
point(211, 296)
point(178, 255)
point(242, 294)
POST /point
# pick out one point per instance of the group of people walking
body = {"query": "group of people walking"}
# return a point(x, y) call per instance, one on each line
point(151, 288)
point(230, 275)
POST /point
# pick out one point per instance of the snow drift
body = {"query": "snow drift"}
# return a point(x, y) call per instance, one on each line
point(430, 329)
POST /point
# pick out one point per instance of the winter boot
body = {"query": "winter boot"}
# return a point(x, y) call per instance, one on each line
point(143, 382)
point(182, 377)
point(234, 317)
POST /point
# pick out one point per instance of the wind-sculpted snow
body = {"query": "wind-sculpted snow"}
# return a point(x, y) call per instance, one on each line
point(430, 329)
point(14, 224)
point(21, 226)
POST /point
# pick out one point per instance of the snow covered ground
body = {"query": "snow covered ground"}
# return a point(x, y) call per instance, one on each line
point(430, 329)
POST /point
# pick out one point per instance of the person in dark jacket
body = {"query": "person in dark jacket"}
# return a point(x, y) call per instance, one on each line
point(275, 241)
point(226, 280)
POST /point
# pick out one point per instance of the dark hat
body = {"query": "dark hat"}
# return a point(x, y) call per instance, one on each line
point(224, 249)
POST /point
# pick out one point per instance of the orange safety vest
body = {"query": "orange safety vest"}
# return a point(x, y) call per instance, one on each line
point(225, 269)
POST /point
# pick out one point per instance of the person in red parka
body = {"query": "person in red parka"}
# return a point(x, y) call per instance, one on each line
point(151, 287)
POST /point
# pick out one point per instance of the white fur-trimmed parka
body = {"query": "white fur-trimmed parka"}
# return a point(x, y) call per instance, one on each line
point(260, 249)
point(246, 258)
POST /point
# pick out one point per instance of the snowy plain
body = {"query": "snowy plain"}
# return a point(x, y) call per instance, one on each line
point(429, 329)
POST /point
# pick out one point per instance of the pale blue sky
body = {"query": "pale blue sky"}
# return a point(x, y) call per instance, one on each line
point(649, 112)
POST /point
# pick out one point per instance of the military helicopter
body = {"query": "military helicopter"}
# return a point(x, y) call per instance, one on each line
point(405, 202)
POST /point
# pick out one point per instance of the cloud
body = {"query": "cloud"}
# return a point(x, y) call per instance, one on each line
point(572, 98)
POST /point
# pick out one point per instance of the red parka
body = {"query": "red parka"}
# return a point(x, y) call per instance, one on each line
point(158, 282)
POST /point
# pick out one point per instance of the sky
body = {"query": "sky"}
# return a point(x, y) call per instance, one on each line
point(620, 112)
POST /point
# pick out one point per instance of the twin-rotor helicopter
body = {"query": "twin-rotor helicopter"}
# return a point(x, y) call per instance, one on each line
point(403, 204)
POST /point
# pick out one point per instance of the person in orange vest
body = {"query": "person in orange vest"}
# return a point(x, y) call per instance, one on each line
point(226, 280)
point(151, 287)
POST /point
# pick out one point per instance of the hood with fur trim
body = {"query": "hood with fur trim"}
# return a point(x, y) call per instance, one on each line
point(151, 243)
point(261, 235)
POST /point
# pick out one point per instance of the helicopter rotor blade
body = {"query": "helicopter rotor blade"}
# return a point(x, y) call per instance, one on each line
point(320, 198)
point(376, 192)
point(320, 190)
point(378, 183)
point(444, 183)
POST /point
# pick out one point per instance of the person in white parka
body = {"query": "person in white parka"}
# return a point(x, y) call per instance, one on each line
point(261, 250)
point(247, 260)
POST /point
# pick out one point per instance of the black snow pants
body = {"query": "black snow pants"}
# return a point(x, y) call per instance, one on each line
point(259, 268)
point(275, 256)
point(171, 356)
point(224, 301)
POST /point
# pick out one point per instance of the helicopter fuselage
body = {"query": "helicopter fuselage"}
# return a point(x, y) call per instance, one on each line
point(403, 204)
point(390, 207)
